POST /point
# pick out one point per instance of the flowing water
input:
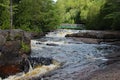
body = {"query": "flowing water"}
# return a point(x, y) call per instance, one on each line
point(78, 59)
point(30, 66)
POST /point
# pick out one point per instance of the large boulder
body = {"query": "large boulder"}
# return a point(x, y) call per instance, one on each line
point(10, 58)
point(13, 44)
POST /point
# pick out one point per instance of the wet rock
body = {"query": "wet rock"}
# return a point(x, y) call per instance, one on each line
point(10, 58)
point(111, 72)
point(12, 49)
point(38, 43)
point(88, 40)
point(24, 65)
point(35, 62)
point(6, 70)
point(52, 44)
point(96, 36)
point(40, 61)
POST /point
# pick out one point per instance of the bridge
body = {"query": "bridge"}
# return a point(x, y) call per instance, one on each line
point(71, 26)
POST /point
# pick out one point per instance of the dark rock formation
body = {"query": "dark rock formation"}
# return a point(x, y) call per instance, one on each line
point(13, 44)
point(52, 44)
point(6, 70)
point(40, 61)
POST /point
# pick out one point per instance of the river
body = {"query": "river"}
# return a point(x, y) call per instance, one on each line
point(78, 59)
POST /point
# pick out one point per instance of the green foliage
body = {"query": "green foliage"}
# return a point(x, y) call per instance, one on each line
point(25, 47)
point(69, 12)
point(45, 15)
point(96, 14)
point(4, 14)
point(30, 15)
point(39, 15)
point(112, 9)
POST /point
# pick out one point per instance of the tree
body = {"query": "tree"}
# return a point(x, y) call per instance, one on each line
point(11, 14)
point(95, 14)
point(38, 15)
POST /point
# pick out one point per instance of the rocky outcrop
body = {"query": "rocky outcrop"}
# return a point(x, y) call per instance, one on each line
point(13, 44)
point(90, 36)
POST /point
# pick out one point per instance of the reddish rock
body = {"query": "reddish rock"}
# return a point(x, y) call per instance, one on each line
point(7, 70)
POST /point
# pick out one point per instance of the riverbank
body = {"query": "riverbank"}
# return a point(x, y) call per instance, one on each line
point(79, 59)
point(112, 69)
point(13, 44)
point(111, 72)
point(92, 36)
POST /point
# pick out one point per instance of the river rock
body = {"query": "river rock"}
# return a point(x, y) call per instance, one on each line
point(52, 44)
point(7, 70)
point(10, 50)
point(13, 44)
point(41, 60)
point(97, 36)
point(10, 58)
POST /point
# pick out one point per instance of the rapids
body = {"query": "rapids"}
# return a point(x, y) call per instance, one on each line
point(77, 58)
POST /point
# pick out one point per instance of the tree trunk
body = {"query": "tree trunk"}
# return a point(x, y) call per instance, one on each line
point(11, 15)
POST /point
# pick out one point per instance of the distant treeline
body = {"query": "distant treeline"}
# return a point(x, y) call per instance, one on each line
point(95, 14)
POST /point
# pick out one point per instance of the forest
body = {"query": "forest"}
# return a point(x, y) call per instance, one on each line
point(46, 15)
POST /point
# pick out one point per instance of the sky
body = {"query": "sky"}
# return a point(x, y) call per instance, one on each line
point(55, 0)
